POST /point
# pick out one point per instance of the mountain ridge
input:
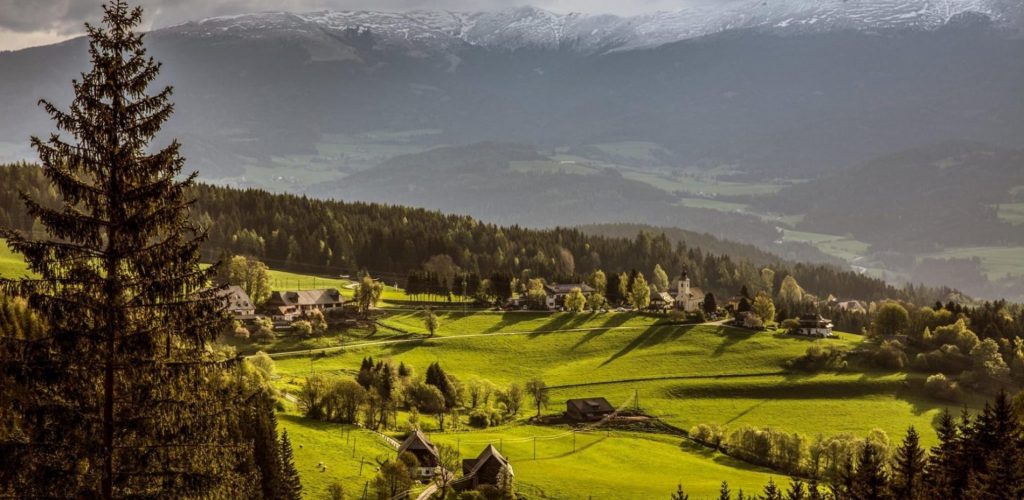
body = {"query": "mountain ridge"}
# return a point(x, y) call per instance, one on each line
point(534, 28)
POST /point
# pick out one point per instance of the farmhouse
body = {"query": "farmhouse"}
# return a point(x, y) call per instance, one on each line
point(687, 298)
point(426, 454)
point(288, 305)
point(813, 325)
point(484, 470)
point(588, 409)
point(851, 306)
point(237, 302)
point(556, 292)
point(661, 300)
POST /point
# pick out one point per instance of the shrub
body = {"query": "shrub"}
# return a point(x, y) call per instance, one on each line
point(947, 359)
point(890, 355)
point(956, 334)
point(242, 332)
point(303, 328)
point(264, 336)
point(709, 435)
point(480, 418)
point(790, 324)
point(939, 387)
point(819, 358)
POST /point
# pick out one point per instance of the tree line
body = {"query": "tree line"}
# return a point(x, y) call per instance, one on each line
point(330, 237)
point(977, 456)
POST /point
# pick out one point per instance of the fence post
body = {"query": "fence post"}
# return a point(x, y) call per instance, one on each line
point(361, 461)
point(535, 447)
point(354, 447)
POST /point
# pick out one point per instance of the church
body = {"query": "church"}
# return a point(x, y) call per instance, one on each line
point(687, 298)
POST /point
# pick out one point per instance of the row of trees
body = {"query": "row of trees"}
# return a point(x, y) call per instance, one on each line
point(320, 236)
point(380, 389)
point(978, 456)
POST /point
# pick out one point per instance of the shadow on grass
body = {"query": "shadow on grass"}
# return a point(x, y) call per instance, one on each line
point(562, 321)
point(731, 337)
point(510, 319)
point(614, 321)
point(654, 335)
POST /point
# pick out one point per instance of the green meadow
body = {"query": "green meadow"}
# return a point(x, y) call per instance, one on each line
point(683, 374)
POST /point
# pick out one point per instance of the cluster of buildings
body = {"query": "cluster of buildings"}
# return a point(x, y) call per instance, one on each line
point(281, 306)
point(680, 295)
point(485, 469)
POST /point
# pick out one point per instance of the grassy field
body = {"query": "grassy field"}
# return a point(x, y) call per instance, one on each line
point(343, 449)
point(685, 375)
point(842, 247)
point(702, 185)
point(1012, 212)
point(996, 261)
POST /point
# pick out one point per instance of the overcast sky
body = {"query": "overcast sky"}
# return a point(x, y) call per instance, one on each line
point(25, 23)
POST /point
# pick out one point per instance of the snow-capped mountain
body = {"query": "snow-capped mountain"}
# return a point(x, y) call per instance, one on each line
point(529, 27)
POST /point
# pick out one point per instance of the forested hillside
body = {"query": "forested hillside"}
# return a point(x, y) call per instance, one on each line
point(332, 237)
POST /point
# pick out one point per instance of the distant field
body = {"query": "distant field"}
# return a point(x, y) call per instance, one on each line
point(702, 185)
point(711, 204)
point(842, 247)
point(997, 261)
point(1012, 212)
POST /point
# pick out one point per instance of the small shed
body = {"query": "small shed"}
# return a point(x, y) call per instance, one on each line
point(588, 409)
point(426, 454)
point(483, 470)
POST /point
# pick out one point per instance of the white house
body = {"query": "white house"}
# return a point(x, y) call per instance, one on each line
point(813, 325)
point(687, 298)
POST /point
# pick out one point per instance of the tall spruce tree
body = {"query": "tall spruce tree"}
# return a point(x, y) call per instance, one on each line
point(871, 480)
point(945, 466)
point(122, 397)
point(908, 468)
point(292, 488)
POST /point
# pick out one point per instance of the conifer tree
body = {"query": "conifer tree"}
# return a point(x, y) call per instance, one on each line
point(124, 375)
point(679, 494)
point(944, 465)
point(871, 481)
point(797, 490)
point(908, 467)
point(292, 489)
point(771, 491)
point(723, 492)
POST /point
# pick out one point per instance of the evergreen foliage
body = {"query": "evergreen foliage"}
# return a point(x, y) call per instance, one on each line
point(120, 397)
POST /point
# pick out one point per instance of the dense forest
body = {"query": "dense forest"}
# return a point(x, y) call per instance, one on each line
point(332, 237)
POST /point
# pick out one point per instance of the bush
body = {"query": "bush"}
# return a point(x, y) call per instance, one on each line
point(264, 336)
point(790, 324)
point(708, 435)
point(820, 358)
point(697, 316)
point(890, 355)
point(303, 328)
point(242, 332)
point(480, 418)
point(939, 387)
point(947, 359)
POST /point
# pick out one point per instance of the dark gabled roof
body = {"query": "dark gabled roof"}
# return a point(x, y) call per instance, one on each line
point(556, 288)
point(417, 441)
point(306, 298)
point(471, 467)
point(591, 405)
point(813, 319)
